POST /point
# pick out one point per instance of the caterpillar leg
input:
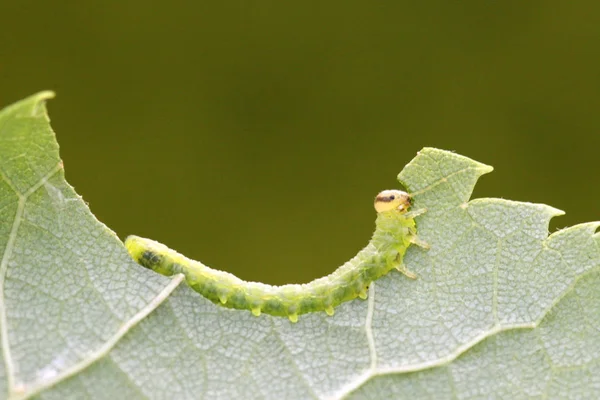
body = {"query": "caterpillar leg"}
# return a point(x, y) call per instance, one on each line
point(421, 243)
point(363, 293)
point(409, 274)
point(396, 262)
point(415, 213)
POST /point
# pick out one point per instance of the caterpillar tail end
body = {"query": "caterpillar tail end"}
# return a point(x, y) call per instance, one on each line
point(329, 310)
point(135, 247)
point(150, 254)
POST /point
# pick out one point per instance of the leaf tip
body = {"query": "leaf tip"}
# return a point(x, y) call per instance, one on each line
point(32, 106)
point(44, 95)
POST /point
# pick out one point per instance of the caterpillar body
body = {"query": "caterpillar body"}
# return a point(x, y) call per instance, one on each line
point(395, 231)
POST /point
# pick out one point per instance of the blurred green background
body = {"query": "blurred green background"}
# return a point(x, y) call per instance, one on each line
point(254, 135)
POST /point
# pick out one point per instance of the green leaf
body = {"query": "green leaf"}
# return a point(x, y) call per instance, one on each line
point(500, 309)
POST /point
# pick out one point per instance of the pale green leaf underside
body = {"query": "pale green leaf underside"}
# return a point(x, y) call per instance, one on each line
point(499, 310)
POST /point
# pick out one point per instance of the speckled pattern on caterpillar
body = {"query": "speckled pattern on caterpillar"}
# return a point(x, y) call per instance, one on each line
point(395, 231)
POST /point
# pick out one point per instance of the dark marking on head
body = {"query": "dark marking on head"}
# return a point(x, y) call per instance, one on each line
point(385, 199)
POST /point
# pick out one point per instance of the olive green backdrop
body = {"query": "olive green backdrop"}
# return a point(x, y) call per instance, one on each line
point(254, 135)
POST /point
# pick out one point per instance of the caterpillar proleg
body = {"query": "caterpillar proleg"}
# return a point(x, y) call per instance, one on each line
point(395, 231)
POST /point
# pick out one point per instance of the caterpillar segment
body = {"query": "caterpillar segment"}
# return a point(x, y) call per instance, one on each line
point(395, 231)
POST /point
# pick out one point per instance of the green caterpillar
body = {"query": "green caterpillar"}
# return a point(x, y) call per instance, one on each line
point(395, 231)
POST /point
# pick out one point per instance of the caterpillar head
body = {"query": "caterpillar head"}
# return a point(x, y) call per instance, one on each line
point(389, 200)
